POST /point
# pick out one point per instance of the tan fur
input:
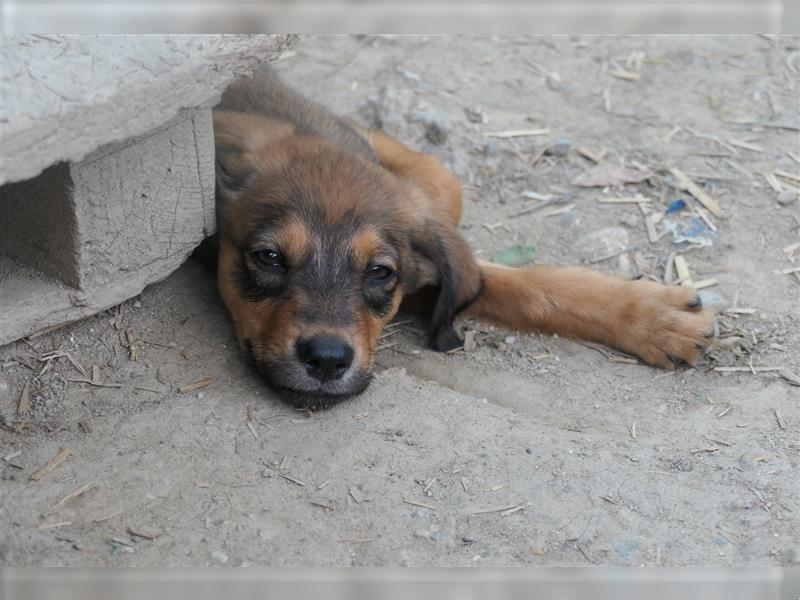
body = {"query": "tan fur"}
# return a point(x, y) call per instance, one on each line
point(279, 154)
point(655, 322)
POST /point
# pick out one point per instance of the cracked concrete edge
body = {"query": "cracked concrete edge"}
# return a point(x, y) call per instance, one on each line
point(63, 305)
point(138, 209)
point(51, 113)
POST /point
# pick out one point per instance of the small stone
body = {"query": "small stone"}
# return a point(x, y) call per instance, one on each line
point(787, 197)
point(137, 304)
point(510, 339)
point(535, 550)
point(559, 147)
point(423, 534)
point(219, 556)
point(435, 134)
point(475, 115)
point(566, 219)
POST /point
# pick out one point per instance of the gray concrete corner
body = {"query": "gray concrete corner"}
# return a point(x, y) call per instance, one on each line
point(108, 165)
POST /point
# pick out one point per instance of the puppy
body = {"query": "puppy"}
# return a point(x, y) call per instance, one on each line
point(325, 230)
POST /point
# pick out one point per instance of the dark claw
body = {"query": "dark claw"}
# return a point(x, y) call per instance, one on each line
point(701, 347)
point(709, 334)
point(673, 360)
point(695, 302)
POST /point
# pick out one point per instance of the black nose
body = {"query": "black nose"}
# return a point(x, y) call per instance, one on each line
point(325, 358)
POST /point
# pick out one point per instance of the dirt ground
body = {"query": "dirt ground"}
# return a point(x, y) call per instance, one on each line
point(526, 450)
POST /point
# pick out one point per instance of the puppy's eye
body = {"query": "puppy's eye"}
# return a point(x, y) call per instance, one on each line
point(379, 272)
point(268, 259)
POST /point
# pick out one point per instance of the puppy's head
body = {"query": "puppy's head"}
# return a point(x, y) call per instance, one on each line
point(313, 246)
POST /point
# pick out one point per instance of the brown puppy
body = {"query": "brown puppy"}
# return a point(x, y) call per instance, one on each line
point(325, 229)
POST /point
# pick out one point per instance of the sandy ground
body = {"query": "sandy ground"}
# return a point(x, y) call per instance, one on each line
point(527, 450)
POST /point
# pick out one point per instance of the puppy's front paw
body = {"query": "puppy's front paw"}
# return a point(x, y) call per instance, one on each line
point(664, 325)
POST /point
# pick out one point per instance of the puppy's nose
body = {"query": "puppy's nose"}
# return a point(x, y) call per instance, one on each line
point(325, 358)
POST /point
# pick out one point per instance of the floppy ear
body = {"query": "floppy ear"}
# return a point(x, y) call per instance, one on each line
point(459, 279)
point(241, 143)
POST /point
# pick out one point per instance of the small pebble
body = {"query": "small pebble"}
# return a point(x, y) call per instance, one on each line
point(566, 219)
point(787, 197)
point(219, 556)
point(560, 147)
point(510, 339)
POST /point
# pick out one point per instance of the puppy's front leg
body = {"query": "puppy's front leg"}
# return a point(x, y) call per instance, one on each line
point(660, 324)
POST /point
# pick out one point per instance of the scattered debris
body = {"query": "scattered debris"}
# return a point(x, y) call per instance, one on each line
point(413, 502)
point(592, 155)
point(356, 494)
point(469, 341)
point(144, 532)
point(507, 510)
point(536, 196)
point(682, 269)
point(476, 115)
point(512, 133)
point(24, 404)
point(558, 211)
point(603, 175)
point(675, 206)
point(747, 369)
point(192, 387)
point(779, 419)
point(623, 74)
point(90, 382)
point(790, 376)
point(516, 256)
point(46, 526)
point(705, 283)
point(707, 201)
point(133, 349)
point(650, 222)
point(71, 496)
point(52, 464)
point(294, 480)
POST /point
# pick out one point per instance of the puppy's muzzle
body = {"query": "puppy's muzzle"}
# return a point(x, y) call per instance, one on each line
point(325, 358)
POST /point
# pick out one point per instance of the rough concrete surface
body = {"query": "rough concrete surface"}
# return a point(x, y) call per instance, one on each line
point(132, 115)
point(65, 96)
point(86, 236)
point(526, 450)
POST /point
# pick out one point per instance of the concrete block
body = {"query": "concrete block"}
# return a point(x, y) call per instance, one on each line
point(64, 96)
point(83, 237)
point(109, 175)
